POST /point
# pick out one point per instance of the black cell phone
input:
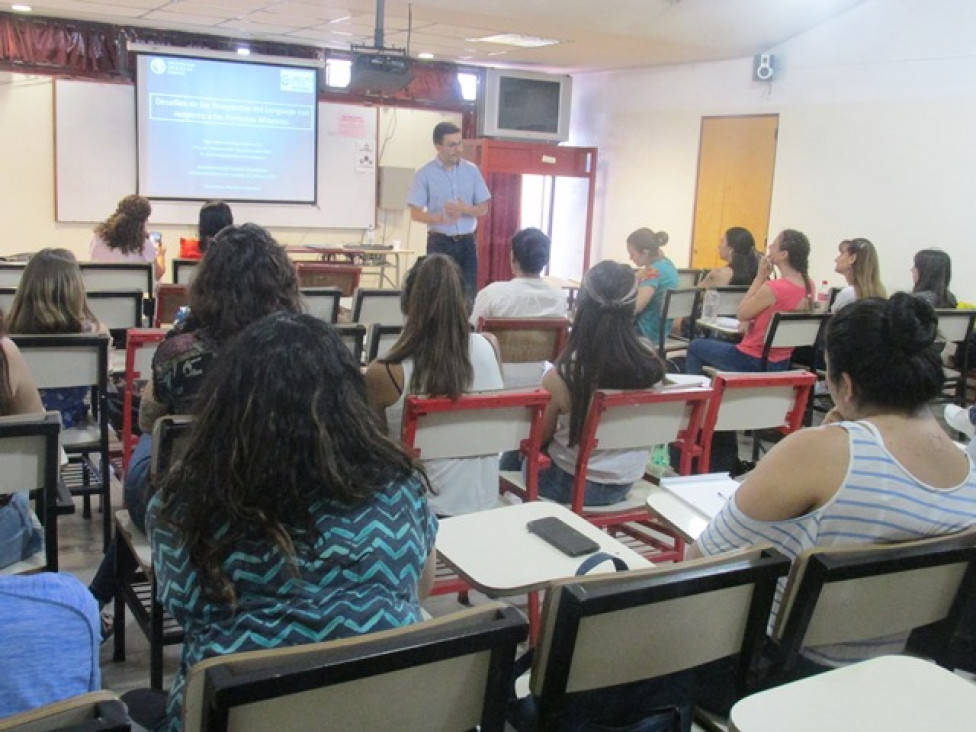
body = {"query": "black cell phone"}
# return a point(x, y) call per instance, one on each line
point(561, 535)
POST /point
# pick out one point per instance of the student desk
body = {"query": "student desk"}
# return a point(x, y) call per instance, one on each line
point(375, 258)
point(891, 693)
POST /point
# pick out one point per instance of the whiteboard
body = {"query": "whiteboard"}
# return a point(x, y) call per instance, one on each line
point(95, 163)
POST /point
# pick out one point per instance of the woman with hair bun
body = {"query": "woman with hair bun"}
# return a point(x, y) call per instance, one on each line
point(880, 470)
point(123, 236)
point(603, 352)
point(656, 275)
point(793, 290)
point(738, 248)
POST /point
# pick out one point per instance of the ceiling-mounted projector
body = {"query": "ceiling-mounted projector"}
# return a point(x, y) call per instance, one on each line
point(382, 71)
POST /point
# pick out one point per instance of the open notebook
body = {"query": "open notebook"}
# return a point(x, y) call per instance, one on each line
point(705, 493)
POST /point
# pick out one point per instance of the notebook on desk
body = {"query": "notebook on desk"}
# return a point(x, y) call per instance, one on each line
point(704, 493)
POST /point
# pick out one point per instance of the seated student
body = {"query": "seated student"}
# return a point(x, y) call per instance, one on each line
point(880, 470)
point(788, 253)
point(527, 295)
point(19, 538)
point(214, 216)
point(656, 275)
point(438, 355)
point(738, 248)
point(51, 299)
point(51, 641)
point(244, 276)
point(931, 274)
point(604, 352)
point(123, 237)
point(857, 260)
point(256, 548)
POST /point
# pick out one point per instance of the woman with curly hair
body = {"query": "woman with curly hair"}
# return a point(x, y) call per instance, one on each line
point(244, 276)
point(437, 354)
point(123, 236)
point(303, 522)
point(604, 352)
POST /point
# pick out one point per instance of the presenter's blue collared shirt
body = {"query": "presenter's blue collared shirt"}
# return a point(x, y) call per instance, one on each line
point(434, 185)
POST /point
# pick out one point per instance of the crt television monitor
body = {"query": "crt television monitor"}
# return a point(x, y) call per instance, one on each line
point(524, 105)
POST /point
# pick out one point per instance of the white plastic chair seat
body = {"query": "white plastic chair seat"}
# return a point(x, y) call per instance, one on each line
point(87, 436)
point(136, 539)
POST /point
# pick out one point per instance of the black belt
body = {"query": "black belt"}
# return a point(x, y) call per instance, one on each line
point(452, 237)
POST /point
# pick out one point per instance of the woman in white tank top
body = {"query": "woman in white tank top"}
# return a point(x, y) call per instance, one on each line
point(438, 355)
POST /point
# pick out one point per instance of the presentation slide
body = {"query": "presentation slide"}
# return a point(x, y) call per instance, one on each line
point(237, 131)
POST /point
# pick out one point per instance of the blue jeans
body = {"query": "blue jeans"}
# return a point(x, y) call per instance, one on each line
point(557, 485)
point(464, 251)
point(724, 356)
point(136, 498)
point(19, 539)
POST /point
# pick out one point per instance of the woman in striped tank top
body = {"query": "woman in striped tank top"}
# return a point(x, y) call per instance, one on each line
point(880, 470)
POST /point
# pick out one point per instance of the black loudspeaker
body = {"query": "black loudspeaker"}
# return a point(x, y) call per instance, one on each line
point(763, 67)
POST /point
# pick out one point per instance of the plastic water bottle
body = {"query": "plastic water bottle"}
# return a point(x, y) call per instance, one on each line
point(710, 305)
point(823, 296)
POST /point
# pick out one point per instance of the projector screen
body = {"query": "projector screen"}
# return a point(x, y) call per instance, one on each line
point(236, 131)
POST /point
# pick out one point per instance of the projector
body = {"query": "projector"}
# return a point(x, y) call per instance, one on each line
point(379, 72)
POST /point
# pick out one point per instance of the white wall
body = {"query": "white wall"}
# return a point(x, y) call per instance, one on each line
point(27, 184)
point(875, 137)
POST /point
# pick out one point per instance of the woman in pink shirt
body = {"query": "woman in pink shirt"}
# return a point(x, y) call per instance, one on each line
point(793, 290)
point(123, 237)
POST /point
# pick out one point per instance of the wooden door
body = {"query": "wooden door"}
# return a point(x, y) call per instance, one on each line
point(735, 182)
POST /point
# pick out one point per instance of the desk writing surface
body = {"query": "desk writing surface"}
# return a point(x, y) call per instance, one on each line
point(726, 326)
point(679, 504)
point(495, 552)
point(890, 693)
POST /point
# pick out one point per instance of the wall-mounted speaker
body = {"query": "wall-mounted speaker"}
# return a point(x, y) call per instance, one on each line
point(763, 67)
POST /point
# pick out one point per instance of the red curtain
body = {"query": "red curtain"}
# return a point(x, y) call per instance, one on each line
point(498, 227)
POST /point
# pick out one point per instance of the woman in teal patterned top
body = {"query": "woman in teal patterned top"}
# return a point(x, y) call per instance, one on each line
point(292, 517)
point(655, 276)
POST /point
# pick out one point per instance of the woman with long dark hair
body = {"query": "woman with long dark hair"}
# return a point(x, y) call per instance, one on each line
point(789, 253)
point(931, 274)
point(291, 518)
point(738, 248)
point(604, 352)
point(438, 355)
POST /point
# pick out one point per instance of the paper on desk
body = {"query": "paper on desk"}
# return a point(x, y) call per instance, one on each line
point(730, 323)
point(704, 493)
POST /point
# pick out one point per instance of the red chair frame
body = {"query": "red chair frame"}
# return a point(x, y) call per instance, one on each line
point(417, 408)
point(166, 294)
point(135, 339)
point(696, 399)
point(801, 381)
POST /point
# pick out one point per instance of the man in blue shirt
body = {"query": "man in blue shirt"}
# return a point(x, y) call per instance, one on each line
point(449, 194)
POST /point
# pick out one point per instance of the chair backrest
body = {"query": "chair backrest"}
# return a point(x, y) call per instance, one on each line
point(184, 270)
point(323, 274)
point(30, 460)
point(322, 302)
point(608, 630)
point(372, 305)
point(73, 359)
point(476, 425)
point(117, 310)
point(682, 303)
point(140, 347)
point(7, 299)
point(381, 339)
point(729, 299)
point(116, 276)
point(754, 401)
point(843, 594)
point(451, 673)
point(791, 330)
point(689, 277)
point(171, 437)
point(96, 710)
point(527, 340)
point(354, 336)
point(10, 273)
point(169, 299)
point(638, 418)
point(955, 325)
